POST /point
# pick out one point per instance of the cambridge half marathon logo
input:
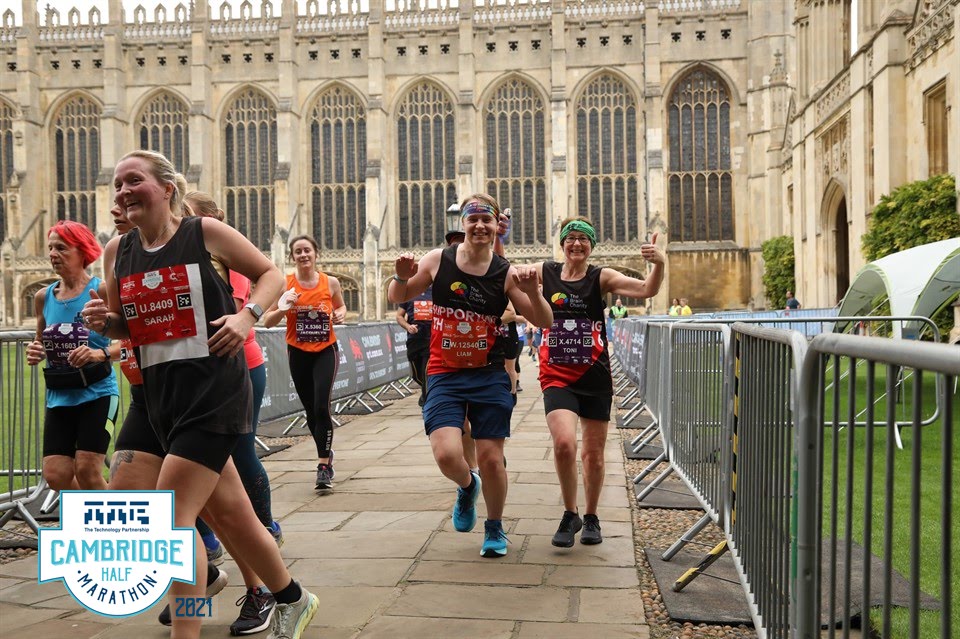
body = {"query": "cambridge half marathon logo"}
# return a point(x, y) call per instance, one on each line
point(116, 550)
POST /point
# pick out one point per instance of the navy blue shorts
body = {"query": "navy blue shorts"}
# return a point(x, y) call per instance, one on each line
point(482, 396)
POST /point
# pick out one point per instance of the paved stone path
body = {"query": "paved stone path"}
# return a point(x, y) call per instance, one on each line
point(382, 555)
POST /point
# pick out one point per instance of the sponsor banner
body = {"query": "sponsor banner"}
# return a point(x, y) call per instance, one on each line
point(371, 355)
point(628, 335)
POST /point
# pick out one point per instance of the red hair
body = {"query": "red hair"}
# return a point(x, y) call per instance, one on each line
point(80, 237)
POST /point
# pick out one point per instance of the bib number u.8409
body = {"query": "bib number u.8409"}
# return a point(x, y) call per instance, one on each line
point(158, 305)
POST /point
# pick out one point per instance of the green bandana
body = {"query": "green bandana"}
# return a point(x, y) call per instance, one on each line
point(583, 227)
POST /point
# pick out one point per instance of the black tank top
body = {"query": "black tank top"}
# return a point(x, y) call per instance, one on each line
point(467, 332)
point(169, 297)
point(573, 353)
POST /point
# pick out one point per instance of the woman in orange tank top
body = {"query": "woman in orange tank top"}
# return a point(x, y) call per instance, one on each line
point(312, 304)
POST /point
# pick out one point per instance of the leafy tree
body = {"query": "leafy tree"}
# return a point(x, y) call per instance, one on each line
point(778, 269)
point(913, 214)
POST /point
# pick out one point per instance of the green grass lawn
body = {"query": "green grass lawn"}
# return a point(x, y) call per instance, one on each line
point(22, 394)
point(839, 442)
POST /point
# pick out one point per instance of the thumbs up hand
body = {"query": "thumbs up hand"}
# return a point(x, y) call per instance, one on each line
point(94, 313)
point(651, 253)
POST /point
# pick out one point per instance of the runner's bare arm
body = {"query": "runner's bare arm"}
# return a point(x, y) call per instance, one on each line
point(402, 321)
point(509, 315)
point(35, 353)
point(339, 306)
point(613, 281)
point(418, 276)
point(523, 289)
point(103, 313)
point(240, 255)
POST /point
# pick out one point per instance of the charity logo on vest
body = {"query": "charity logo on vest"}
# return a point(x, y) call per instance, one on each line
point(116, 551)
point(572, 302)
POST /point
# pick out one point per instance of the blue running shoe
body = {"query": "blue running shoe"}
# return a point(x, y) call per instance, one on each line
point(494, 540)
point(465, 509)
point(276, 533)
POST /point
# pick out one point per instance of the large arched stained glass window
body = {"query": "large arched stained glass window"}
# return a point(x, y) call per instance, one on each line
point(607, 158)
point(426, 159)
point(351, 293)
point(513, 123)
point(7, 114)
point(76, 152)
point(163, 127)
point(250, 146)
point(338, 144)
point(700, 181)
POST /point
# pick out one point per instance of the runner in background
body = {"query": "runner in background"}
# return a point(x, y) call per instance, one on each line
point(257, 605)
point(81, 387)
point(312, 304)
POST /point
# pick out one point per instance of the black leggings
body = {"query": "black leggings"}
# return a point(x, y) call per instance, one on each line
point(313, 375)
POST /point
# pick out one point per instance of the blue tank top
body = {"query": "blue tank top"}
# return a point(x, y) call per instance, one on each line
point(65, 314)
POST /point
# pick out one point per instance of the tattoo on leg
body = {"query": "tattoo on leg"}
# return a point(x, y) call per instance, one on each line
point(120, 457)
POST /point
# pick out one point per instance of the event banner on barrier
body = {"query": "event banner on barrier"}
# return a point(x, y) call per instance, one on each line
point(370, 356)
point(628, 336)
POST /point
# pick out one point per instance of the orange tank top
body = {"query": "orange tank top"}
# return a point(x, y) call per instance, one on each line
point(310, 321)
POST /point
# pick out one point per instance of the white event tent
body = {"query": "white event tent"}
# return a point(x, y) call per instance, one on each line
point(917, 281)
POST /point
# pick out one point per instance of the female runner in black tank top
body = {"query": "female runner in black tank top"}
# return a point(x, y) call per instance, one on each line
point(465, 374)
point(575, 367)
point(183, 330)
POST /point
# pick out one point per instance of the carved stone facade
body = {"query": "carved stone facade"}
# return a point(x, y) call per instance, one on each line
point(886, 116)
point(361, 125)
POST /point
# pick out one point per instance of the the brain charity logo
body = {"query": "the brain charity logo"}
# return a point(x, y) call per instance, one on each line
point(357, 351)
point(559, 299)
point(459, 288)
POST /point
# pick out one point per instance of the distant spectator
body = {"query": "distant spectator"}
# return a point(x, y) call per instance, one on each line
point(684, 307)
point(792, 302)
point(619, 311)
point(674, 307)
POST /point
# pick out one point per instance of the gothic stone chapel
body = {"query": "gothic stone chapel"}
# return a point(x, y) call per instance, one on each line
point(362, 122)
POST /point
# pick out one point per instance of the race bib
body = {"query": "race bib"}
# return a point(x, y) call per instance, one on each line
point(128, 363)
point(464, 343)
point(313, 326)
point(158, 305)
point(571, 341)
point(60, 339)
point(422, 310)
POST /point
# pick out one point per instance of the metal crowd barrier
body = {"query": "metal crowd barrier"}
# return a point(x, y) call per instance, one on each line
point(372, 363)
point(700, 418)
point(22, 411)
point(727, 403)
point(849, 493)
point(21, 446)
point(765, 405)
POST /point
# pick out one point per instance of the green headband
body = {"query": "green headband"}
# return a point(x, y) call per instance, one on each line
point(583, 227)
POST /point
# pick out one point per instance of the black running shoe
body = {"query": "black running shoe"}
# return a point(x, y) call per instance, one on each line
point(256, 609)
point(591, 531)
point(570, 525)
point(324, 477)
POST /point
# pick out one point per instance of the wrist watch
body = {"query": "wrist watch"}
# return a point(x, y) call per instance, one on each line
point(255, 310)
